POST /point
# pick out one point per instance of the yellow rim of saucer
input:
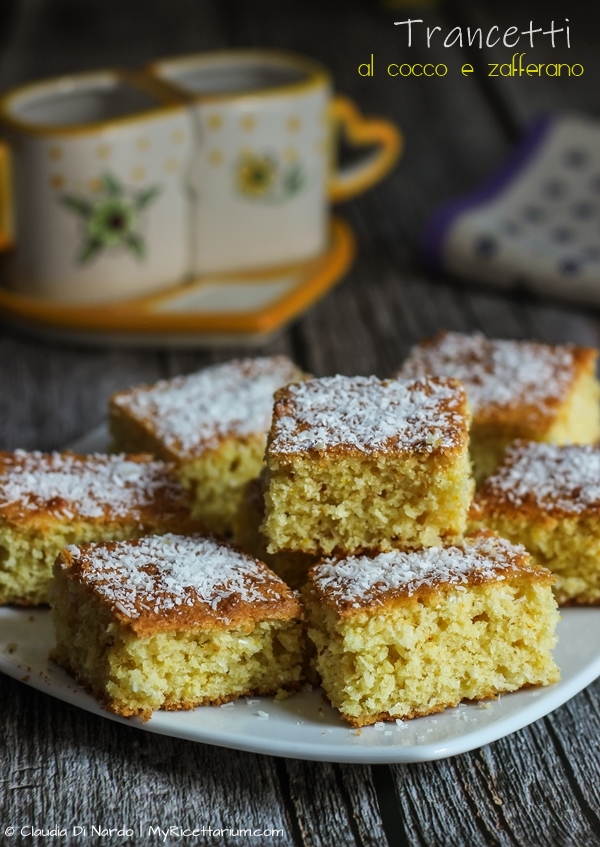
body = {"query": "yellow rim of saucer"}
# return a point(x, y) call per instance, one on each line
point(137, 316)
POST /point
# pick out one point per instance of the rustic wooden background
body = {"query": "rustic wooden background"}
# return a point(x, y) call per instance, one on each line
point(60, 765)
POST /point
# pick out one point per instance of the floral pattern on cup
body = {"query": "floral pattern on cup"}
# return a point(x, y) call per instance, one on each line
point(111, 217)
point(261, 176)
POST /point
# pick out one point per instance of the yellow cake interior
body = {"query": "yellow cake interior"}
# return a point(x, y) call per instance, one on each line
point(291, 566)
point(27, 554)
point(217, 480)
point(518, 389)
point(578, 418)
point(547, 498)
point(366, 502)
point(569, 547)
point(134, 674)
point(424, 654)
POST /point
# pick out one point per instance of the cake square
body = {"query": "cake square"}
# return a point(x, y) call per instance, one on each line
point(547, 498)
point(48, 500)
point(403, 634)
point(359, 463)
point(517, 389)
point(212, 424)
point(173, 622)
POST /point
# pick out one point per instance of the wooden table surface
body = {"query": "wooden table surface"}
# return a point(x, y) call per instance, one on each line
point(62, 766)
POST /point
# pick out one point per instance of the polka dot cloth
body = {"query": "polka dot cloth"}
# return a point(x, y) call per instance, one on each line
point(536, 223)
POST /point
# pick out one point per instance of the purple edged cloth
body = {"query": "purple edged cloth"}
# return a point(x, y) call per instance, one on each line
point(534, 223)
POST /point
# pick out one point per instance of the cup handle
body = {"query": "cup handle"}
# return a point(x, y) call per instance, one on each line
point(362, 132)
point(6, 217)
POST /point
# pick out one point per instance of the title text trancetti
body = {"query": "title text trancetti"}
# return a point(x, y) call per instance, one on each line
point(474, 38)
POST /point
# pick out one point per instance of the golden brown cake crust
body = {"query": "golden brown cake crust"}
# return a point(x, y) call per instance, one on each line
point(536, 480)
point(519, 385)
point(353, 416)
point(353, 584)
point(169, 583)
point(37, 489)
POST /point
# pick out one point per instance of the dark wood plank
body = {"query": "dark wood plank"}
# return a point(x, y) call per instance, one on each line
point(186, 361)
point(575, 733)
point(515, 791)
point(51, 395)
point(364, 799)
point(329, 809)
point(63, 765)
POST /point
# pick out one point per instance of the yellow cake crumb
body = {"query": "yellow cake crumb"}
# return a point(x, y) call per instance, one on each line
point(173, 622)
point(403, 634)
point(291, 566)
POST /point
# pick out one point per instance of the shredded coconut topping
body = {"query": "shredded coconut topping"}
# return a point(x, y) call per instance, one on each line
point(193, 413)
point(362, 580)
point(496, 372)
point(68, 485)
point(169, 572)
point(368, 414)
point(564, 478)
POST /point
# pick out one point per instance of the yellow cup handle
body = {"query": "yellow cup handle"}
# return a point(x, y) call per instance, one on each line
point(363, 132)
point(6, 216)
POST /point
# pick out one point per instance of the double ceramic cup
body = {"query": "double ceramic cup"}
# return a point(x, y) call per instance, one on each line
point(114, 184)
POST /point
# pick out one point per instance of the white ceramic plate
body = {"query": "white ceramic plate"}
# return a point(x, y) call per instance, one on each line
point(304, 726)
